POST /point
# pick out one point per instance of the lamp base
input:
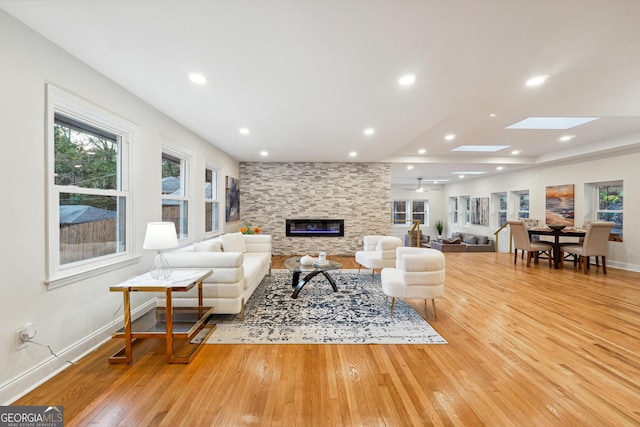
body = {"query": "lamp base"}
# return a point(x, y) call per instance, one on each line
point(161, 268)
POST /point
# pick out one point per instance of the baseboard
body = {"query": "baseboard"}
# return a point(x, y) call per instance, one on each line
point(52, 366)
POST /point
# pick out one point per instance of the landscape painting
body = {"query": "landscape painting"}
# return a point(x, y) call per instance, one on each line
point(560, 205)
point(232, 199)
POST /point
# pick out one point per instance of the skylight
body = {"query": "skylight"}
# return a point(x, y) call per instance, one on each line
point(551, 122)
point(480, 148)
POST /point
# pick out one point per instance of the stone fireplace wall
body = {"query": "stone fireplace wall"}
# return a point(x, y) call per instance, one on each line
point(359, 193)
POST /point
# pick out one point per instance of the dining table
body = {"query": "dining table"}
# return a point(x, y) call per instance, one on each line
point(557, 233)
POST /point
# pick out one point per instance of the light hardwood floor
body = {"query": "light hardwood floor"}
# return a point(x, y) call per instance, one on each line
point(527, 347)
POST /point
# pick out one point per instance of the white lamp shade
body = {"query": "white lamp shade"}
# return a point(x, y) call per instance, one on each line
point(160, 235)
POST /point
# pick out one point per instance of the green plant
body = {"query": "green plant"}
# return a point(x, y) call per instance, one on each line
point(439, 226)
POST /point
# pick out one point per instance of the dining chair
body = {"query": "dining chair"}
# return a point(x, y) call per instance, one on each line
point(521, 241)
point(595, 243)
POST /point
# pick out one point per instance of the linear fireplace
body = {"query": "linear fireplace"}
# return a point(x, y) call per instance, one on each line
point(315, 227)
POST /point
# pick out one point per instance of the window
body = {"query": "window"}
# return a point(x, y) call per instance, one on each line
point(211, 202)
point(175, 191)
point(409, 211)
point(465, 201)
point(453, 209)
point(400, 212)
point(523, 204)
point(500, 201)
point(88, 187)
point(610, 203)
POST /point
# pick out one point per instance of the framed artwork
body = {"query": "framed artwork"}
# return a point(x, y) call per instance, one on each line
point(480, 210)
point(232, 193)
point(559, 205)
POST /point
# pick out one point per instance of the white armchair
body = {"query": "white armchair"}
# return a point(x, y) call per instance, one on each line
point(419, 273)
point(378, 252)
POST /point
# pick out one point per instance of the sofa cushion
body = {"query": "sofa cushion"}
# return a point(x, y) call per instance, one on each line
point(483, 240)
point(470, 239)
point(233, 242)
point(208, 247)
point(456, 235)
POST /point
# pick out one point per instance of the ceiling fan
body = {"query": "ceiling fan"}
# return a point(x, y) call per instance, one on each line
point(420, 188)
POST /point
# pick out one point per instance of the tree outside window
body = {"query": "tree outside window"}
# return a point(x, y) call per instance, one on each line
point(86, 179)
point(610, 205)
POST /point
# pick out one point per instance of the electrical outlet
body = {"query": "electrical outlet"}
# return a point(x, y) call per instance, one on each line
point(20, 343)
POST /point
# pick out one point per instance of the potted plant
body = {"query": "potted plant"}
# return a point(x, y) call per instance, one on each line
point(439, 228)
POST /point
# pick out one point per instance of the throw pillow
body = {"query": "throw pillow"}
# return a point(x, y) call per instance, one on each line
point(471, 240)
point(233, 242)
point(456, 235)
point(483, 240)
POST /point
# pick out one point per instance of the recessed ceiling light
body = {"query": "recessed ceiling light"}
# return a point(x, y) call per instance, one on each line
point(353, 154)
point(537, 80)
point(369, 131)
point(566, 138)
point(492, 115)
point(460, 176)
point(450, 137)
point(499, 168)
point(480, 148)
point(410, 167)
point(197, 78)
point(422, 151)
point(551, 122)
point(516, 152)
point(407, 80)
point(244, 131)
point(264, 153)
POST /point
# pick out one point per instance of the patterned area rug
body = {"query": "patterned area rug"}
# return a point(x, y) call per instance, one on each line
point(357, 314)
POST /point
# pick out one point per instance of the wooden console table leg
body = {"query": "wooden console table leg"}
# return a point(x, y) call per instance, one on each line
point(169, 330)
point(128, 341)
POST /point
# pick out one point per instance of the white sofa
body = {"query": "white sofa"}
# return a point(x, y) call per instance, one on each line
point(239, 263)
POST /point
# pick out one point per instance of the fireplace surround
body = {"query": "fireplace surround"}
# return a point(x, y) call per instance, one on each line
point(315, 227)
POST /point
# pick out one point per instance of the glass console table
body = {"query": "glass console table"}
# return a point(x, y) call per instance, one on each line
point(188, 324)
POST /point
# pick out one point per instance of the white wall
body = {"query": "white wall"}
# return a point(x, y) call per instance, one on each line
point(73, 318)
point(623, 167)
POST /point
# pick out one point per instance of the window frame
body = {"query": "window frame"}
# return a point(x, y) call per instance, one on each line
point(454, 212)
point(465, 202)
point(409, 212)
point(186, 161)
point(215, 200)
point(59, 101)
point(595, 203)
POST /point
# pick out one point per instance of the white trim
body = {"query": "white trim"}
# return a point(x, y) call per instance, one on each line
point(61, 101)
point(187, 177)
point(52, 366)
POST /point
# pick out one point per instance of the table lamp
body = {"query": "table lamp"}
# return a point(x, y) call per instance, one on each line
point(159, 236)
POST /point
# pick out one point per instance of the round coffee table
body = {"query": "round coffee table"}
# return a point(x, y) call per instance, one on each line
point(293, 265)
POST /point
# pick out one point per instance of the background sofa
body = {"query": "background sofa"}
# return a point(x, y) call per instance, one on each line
point(239, 263)
point(475, 242)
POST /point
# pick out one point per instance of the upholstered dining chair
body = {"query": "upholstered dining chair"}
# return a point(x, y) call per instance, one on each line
point(378, 252)
point(521, 241)
point(595, 243)
point(419, 273)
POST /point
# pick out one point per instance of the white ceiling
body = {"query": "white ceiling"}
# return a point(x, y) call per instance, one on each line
point(308, 76)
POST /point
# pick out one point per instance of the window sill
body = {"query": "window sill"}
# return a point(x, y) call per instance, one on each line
point(58, 282)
